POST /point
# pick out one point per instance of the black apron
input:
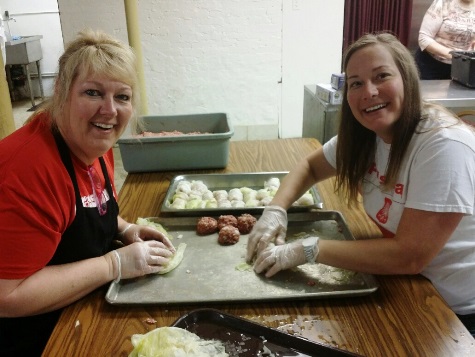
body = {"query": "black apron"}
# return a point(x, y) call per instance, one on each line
point(90, 235)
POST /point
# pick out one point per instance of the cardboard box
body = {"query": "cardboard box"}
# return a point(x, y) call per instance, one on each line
point(329, 94)
point(209, 150)
point(338, 81)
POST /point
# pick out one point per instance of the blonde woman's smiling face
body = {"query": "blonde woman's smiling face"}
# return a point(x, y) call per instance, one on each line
point(375, 90)
point(96, 114)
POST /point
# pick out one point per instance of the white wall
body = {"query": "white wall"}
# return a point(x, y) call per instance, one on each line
point(107, 15)
point(215, 56)
point(250, 59)
point(312, 51)
point(38, 18)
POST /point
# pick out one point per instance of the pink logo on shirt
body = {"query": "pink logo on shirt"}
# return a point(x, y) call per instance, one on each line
point(383, 213)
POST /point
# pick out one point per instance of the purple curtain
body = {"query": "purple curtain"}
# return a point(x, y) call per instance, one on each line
point(363, 16)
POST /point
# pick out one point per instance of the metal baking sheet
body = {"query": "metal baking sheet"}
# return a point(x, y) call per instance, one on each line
point(210, 272)
point(245, 338)
point(254, 180)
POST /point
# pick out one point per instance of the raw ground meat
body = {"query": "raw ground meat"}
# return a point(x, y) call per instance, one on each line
point(228, 235)
point(148, 134)
point(206, 225)
point(227, 220)
point(245, 222)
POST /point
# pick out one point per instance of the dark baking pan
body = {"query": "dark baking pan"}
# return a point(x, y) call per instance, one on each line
point(244, 338)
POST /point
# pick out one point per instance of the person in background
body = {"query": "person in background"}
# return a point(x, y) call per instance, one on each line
point(413, 163)
point(448, 25)
point(58, 201)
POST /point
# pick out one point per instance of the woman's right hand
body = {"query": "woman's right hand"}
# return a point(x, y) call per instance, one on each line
point(140, 258)
point(270, 228)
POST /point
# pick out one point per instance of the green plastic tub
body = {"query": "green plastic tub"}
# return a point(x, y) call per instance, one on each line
point(183, 152)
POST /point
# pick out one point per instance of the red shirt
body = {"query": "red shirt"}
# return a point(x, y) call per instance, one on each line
point(37, 201)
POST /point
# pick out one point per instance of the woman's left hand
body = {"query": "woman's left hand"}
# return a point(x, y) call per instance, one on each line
point(136, 233)
point(280, 257)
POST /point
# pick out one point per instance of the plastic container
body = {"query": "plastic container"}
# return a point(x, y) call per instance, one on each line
point(463, 67)
point(184, 152)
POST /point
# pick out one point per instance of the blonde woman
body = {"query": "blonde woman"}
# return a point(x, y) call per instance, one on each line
point(58, 203)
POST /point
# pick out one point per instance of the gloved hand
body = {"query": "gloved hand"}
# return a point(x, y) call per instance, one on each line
point(271, 227)
point(137, 233)
point(140, 258)
point(276, 258)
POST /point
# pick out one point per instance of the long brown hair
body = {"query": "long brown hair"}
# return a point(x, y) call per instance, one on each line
point(357, 144)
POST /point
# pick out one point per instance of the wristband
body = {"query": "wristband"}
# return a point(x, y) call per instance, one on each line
point(310, 248)
point(119, 266)
point(125, 229)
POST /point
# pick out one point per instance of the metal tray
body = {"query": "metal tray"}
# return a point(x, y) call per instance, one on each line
point(211, 273)
point(245, 338)
point(254, 180)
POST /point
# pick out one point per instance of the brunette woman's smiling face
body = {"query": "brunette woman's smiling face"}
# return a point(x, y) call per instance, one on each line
point(96, 113)
point(375, 90)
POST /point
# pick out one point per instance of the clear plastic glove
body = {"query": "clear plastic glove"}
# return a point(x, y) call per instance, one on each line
point(276, 258)
point(140, 258)
point(270, 228)
point(136, 233)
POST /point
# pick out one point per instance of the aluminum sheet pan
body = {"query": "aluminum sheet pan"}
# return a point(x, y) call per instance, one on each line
point(227, 182)
point(211, 273)
point(245, 338)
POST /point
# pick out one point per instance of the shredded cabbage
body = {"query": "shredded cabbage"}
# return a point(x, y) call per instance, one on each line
point(175, 342)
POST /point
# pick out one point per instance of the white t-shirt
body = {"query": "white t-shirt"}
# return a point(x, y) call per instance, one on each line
point(437, 174)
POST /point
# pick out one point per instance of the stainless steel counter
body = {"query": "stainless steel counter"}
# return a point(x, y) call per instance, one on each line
point(23, 51)
point(320, 119)
point(448, 93)
point(444, 92)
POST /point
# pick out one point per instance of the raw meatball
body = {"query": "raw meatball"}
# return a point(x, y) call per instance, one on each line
point(245, 222)
point(227, 220)
point(206, 225)
point(228, 235)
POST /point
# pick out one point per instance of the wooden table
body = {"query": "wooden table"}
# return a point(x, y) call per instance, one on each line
point(405, 317)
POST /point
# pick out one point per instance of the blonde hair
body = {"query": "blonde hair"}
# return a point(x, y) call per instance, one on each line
point(93, 53)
